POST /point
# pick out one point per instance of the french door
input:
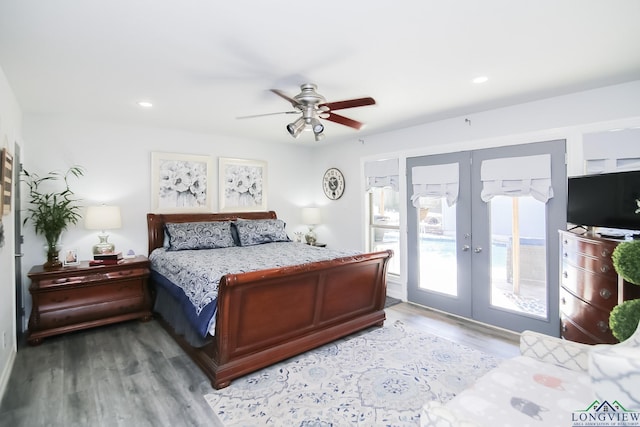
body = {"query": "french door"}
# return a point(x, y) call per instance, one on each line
point(495, 262)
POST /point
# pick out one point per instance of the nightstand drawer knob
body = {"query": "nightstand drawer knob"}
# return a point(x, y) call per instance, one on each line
point(605, 293)
point(603, 326)
point(604, 268)
point(563, 300)
point(565, 274)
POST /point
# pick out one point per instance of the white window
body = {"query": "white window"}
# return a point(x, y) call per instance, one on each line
point(384, 209)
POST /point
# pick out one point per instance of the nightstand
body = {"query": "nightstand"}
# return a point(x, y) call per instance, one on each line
point(81, 296)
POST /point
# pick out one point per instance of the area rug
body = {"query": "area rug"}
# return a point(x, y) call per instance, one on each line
point(381, 377)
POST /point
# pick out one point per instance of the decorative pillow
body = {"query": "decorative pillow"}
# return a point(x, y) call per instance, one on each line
point(199, 235)
point(259, 231)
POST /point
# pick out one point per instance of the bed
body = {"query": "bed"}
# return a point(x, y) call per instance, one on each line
point(265, 316)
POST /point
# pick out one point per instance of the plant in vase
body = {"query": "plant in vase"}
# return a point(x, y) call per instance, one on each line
point(624, 318)
point(52, 212)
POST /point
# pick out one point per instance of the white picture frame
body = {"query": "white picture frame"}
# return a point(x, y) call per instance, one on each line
point(181, 183)
point(242, 185)
point(70, 257)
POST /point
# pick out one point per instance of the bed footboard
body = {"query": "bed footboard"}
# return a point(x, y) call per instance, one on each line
point(268, 316)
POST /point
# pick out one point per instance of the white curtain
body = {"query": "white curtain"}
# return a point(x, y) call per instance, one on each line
point(517, 176)
point(382, 173)
point(435, 181)
point(612, 151)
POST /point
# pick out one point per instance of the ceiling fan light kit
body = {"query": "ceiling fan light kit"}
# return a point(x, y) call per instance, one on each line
point(313, 107)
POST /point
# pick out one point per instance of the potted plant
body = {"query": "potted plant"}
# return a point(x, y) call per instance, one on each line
point(52, 212)
point(624, 318)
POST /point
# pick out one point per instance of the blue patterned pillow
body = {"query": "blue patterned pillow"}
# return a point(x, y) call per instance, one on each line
point(199, 235)
point(258, 231)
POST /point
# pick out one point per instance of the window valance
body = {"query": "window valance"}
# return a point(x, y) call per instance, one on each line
point(435, 181)
point(382, 173)
point(606, 152)
point(517, 176)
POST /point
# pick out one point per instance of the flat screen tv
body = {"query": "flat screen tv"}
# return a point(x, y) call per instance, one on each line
point(605, 200)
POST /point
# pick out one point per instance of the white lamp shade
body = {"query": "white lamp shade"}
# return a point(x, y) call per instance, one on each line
point(311, 216)
point(102, 217)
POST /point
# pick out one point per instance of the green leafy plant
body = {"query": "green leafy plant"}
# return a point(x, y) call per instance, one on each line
point(52, 212)
point(626, 261)
point(624, 319)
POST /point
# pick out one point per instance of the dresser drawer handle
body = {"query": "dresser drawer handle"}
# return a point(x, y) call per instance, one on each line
point(63, 280)
point(605, 253)
point(564, 328)
point(603, 326)
point(565, 241)
point(565, 274)
point(604, 268)
point(563, 300)
point(605, 293)
point(125, 273)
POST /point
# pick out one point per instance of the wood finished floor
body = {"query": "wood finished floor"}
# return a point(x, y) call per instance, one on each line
point(133, 374)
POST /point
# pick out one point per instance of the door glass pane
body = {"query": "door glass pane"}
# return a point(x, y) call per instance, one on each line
point(518, 255)
point(385, 224)
point(437, 238)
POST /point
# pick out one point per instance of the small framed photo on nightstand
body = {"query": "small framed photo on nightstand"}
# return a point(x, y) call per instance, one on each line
point(70, 257)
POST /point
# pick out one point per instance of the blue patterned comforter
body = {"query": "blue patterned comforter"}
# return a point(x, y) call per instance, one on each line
point(192, 276)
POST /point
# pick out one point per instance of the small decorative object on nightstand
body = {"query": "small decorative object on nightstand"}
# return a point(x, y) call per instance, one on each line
point(81, 297)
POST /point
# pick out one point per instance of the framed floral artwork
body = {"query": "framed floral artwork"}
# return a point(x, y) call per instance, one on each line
point(181, 183)
point(243, 185)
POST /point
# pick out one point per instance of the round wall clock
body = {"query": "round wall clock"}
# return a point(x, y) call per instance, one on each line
point(333, 183)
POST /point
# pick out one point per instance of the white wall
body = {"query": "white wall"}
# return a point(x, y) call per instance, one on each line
point(564, 117)
point(117, 161)
point(10, 133)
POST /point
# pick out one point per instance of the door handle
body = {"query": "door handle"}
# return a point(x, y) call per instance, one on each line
point(477, 250)
point(466, 248)
point(18, 255)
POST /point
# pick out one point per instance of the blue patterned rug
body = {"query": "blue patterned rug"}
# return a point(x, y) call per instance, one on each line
point(381, 377)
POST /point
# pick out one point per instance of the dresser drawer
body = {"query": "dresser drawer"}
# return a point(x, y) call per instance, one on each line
point(589, 247)
point(572, 332)
point(588, 317)
point(602, 266)
point(600, 290)
point(89, 294)
point(87, 313)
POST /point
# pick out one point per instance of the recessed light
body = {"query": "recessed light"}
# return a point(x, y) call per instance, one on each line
point(145, 104)
point(480, 79)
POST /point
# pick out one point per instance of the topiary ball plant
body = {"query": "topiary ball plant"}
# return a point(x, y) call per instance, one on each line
point(626, 261)
point(624, 319)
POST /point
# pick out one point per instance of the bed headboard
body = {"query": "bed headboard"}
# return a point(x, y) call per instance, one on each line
point(156, 222)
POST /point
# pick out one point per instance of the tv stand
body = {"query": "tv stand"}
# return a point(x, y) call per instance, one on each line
point(590, 288)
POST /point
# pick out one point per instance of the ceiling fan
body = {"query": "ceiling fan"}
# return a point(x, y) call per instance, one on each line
point(312, 106)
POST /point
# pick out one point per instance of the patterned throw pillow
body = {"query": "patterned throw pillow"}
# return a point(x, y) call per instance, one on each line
point(259, 231)
point(199, 235)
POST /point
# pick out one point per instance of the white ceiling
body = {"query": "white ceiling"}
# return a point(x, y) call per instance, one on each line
point(203, 63)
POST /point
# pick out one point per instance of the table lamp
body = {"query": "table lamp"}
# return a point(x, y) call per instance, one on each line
point(311, 217)
point(103, 218)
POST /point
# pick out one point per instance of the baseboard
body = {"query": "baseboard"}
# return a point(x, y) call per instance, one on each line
point(6, 373)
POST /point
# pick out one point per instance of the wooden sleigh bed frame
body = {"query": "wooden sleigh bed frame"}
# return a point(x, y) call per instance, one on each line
point(267, 316)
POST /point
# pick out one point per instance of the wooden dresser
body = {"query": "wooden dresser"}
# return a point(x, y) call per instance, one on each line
point(82, 296)
point(590, 288)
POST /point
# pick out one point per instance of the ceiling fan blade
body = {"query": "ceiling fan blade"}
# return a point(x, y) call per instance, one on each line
point(285, 96)
point(268, 114)
point(349, 103)
point(336, 118)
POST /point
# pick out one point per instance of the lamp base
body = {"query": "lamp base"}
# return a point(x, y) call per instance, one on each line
point(311, 238)
point(104, 246)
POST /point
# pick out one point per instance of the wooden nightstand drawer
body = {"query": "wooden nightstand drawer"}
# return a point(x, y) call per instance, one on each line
point(88, 295)
point(86, 313)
